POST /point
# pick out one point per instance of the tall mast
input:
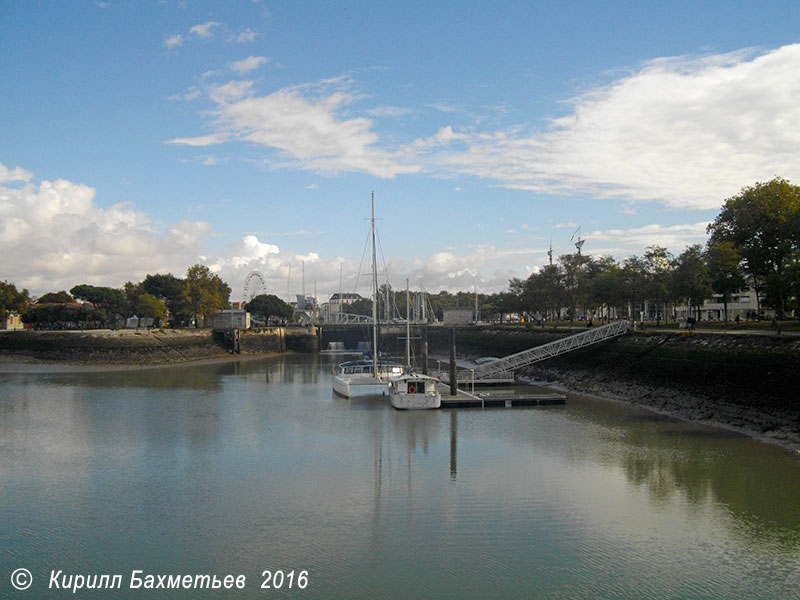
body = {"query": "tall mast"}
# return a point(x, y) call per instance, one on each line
point(408, 327)
point(340, 293)
point(375, 324)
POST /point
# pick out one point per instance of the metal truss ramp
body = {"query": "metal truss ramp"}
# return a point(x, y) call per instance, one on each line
point(562, 346)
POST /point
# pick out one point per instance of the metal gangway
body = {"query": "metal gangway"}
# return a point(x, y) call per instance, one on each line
point(562, 346)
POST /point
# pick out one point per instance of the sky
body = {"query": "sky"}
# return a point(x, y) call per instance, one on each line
point(144, 136)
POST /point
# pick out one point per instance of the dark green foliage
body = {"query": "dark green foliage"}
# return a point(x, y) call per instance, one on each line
point(269, 305)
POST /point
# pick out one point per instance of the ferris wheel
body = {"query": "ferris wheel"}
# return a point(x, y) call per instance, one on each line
point(253, 283)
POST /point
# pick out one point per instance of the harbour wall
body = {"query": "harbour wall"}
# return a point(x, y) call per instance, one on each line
point(154, 346)
point(744, 382)
point(750, 368)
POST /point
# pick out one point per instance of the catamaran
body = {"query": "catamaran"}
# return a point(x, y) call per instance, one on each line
point(367, 376)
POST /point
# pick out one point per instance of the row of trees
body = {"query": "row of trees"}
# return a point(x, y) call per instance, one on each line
point(185, 300)
point(200, 293)
point(755, 241)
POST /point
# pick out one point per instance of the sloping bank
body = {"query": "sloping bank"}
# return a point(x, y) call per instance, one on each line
point(149, 347)
point(746, 382)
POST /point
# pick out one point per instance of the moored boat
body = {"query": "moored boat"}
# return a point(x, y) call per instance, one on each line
point(359, 376)
point(411, 391)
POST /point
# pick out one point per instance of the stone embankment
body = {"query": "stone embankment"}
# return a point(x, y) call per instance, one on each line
point(148, 347)
point(745, 382)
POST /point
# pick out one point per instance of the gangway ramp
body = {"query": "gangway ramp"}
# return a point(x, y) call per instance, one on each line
point(562, 346)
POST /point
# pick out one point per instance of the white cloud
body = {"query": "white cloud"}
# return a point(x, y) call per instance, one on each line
point(174, 41)
point(203, 140)
point(248, 64)
point(246, 36)
point(304, 124)
point(625, 242)
point(687, 132)
point(53, 236)
point(203, 29)
point(233, 90)
point(9, 176)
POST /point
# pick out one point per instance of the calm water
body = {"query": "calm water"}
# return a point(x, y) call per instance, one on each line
point(237, 468)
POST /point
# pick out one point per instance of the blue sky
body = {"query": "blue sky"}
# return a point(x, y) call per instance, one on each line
point(143, 137)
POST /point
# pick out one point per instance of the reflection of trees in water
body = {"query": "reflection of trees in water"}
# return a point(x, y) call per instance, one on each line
point(759, 484)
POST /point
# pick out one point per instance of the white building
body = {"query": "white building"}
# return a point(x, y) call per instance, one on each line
point(231, 319)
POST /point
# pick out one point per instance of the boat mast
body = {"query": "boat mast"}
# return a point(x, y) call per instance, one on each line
point(375, 324)
point(408, 327)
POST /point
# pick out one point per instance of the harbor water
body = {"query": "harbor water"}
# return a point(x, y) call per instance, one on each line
point(253, 466)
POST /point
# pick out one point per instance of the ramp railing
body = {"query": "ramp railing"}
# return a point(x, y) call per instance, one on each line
point(562, 346)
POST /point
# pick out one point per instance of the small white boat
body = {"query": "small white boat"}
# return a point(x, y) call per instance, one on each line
point(414, 391)
point(359, 376)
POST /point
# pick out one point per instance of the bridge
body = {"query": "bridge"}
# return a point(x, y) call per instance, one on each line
point(509, 363)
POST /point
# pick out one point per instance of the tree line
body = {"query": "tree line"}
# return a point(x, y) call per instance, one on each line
point(184, 300)
point(201, 292)
point(754, 241)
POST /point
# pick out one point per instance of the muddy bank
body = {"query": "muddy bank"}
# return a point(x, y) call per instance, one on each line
point(147, 347)
point(748, 383)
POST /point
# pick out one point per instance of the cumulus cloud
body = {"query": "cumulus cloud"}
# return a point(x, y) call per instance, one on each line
point(687, 132)
point(304, 124)
point(17, 174)
point(54, 236)
point(248, 64)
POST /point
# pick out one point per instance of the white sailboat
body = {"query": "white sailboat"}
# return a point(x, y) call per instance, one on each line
point(413, 390)
point(362, 375)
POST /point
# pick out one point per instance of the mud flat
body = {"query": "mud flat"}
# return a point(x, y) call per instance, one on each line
point(745, 383)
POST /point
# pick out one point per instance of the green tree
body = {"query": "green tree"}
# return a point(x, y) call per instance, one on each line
point(171, 291)
point(724, 269)
point(61, 297)
point(269, 305)
point(149, 306)
point(634, 285)
point(691, 279)
point(763, 223)
point(606, 285)
point(12, 299)
point(658, 264)
point(106, 299)
point(205, 292)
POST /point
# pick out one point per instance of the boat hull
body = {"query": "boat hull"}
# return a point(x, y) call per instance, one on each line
point(404, 401)
point(352, 386)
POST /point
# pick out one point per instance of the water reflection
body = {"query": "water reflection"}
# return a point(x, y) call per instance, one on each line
point(223, 464)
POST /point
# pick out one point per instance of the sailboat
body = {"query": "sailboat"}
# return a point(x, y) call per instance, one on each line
point(368, 376)
point(413, 390)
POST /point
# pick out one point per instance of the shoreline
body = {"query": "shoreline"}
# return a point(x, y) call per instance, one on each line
point(26, 365)
point(776, 429)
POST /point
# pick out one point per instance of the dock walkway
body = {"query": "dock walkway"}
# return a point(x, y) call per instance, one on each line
point(464, 399)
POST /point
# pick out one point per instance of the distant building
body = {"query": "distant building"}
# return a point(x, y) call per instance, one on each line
point(225, 320)
point(305, 302)
point(344, 299)
point(11, 321)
